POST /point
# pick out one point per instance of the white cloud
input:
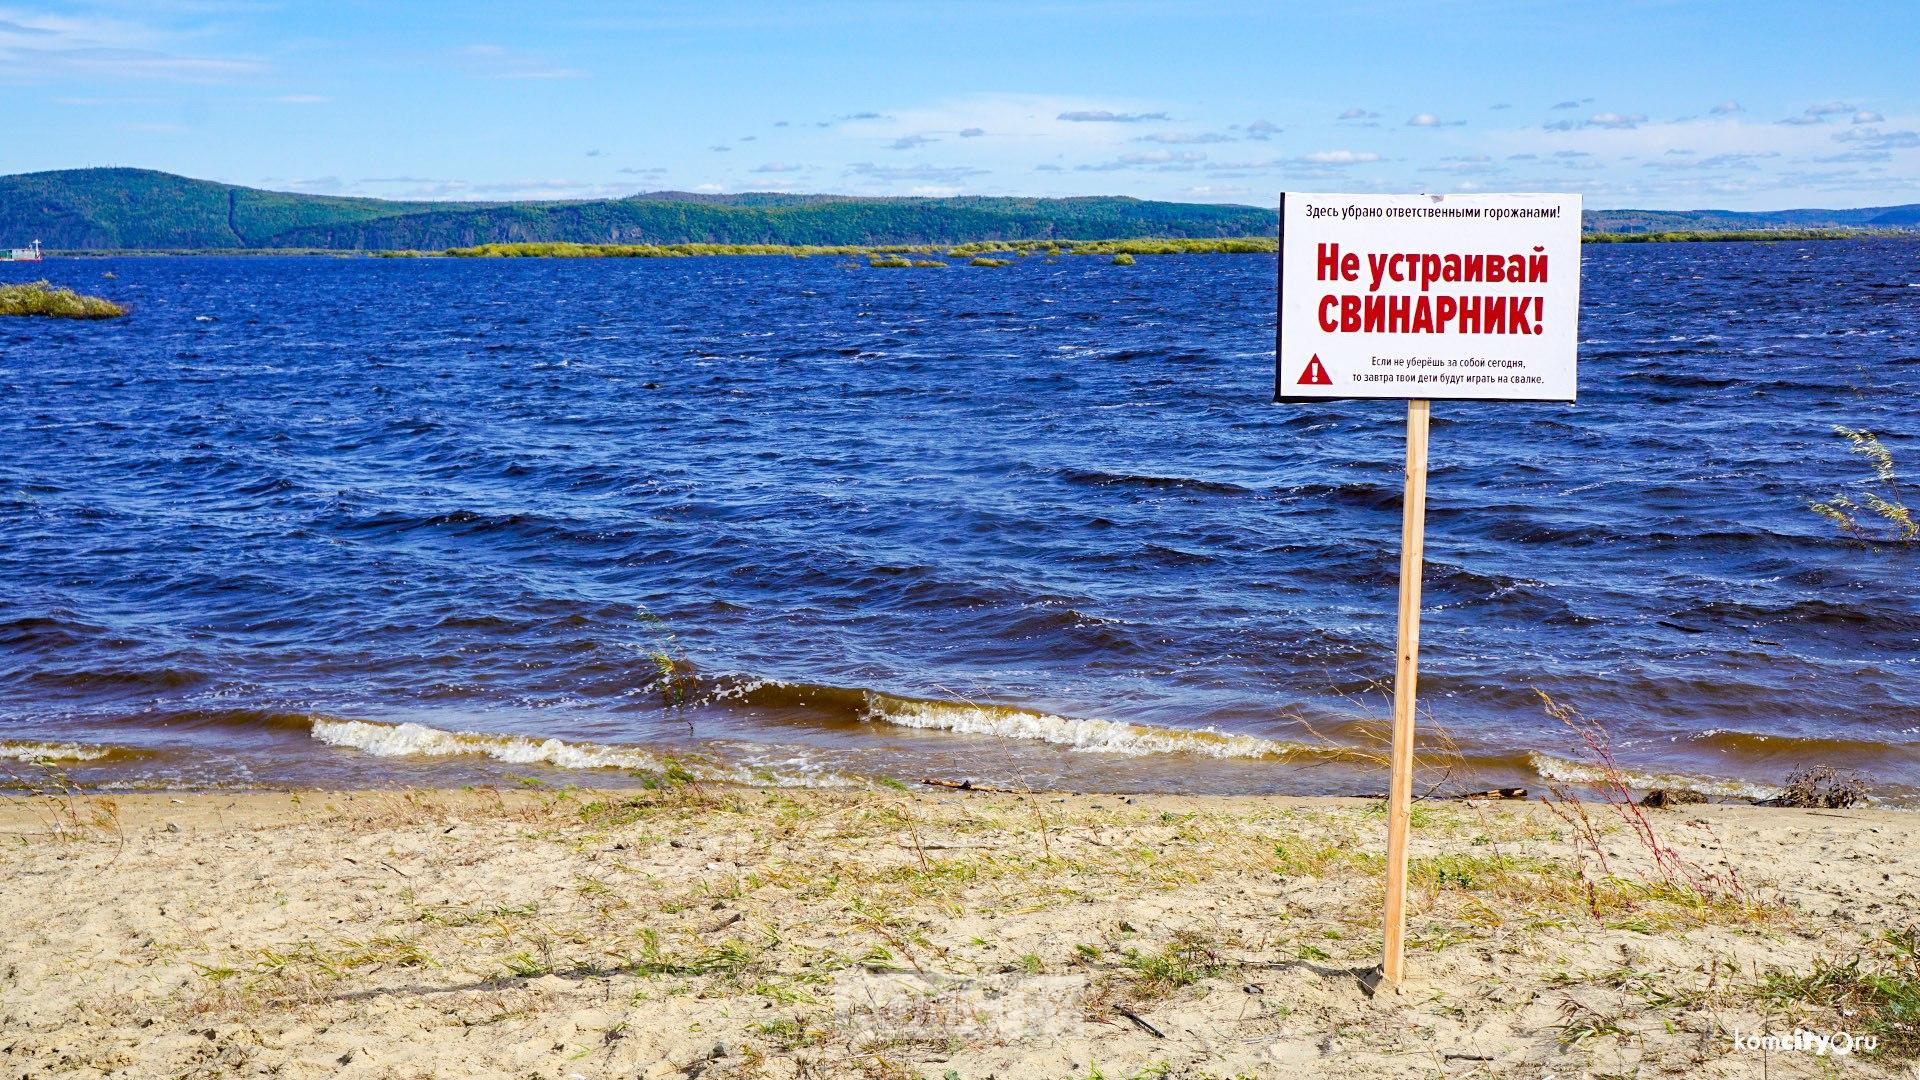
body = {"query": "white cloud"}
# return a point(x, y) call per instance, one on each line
point(1162, 157)
point(1818, 114)
point(1158, 160)
point(1338, 157)
point(1180, 138)
point(949, 174)
point(1725, 160)
point(1610, 120)
point(1715, 162)
point(1108, 116)
point(1875, 139)
point(1617, 120)
point(24, 65)
point(1466, 163)
point(1011, 118)
point(1725, 108)
point(37, 47)
point(1218, 192)
point(490, 61)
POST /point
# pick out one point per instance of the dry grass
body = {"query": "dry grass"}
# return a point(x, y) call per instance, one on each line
point(68, 811)
point(42, 298)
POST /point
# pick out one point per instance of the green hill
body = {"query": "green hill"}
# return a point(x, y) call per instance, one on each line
point(109, 209)
point(104, 209)
point(139, 208)
point(1639, 221)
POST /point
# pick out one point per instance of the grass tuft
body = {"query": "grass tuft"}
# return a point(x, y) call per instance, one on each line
point(1877, 992)
point(41, 298)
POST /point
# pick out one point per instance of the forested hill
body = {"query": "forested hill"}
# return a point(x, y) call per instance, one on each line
point(99, 209)
point(107, 209)
point(1639, 221)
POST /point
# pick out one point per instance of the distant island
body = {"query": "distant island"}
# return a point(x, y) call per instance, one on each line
point(116, 209)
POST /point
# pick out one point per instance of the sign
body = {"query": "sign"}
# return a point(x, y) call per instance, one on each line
point(1421, 297)
point(1428, 296)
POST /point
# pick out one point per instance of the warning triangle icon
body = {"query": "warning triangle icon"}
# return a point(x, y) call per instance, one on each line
point(1316, 373)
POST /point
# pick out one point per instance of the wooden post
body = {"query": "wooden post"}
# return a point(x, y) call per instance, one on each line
point(1413, 524)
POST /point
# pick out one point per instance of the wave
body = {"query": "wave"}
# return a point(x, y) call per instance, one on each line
point(1103, 478)
point(34, 750)
point(1361, 493)
point(418, 740)
point(1754, 745)
point(127, 678)
point(1091, 735)
point(849, 705)
point(1561, 769)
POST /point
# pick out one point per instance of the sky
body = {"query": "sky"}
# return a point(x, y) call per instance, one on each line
point(1632, 103)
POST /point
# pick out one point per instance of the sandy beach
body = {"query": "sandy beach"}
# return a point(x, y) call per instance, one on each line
point(732, 932)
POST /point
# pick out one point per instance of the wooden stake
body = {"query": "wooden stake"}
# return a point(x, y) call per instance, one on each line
point(1413, 525)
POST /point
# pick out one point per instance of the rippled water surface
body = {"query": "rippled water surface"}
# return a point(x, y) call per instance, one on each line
point(302, 520)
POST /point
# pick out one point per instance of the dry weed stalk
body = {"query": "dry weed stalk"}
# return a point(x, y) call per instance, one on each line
point(1435, 751)
point(70, 812)
point(1672, 870)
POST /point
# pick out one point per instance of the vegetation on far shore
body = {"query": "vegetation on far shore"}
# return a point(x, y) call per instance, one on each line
point(1699, 236)
point(872, 252)
point(42, 298)
point(1050, 248)
point(888, 255)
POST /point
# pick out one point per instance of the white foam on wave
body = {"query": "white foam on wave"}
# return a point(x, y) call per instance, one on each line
point(418, 740)
point(1092, 736)
point(1574, 772)
point(31, 750)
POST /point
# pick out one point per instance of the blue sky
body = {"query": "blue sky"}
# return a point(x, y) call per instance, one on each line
point(1651, 104)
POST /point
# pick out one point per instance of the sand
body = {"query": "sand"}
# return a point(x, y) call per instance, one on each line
point(730, 932)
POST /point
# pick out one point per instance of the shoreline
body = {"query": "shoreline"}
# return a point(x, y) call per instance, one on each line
point(912, 743)
point(708, 930)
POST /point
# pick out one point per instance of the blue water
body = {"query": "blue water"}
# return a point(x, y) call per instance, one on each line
point(1026, 525)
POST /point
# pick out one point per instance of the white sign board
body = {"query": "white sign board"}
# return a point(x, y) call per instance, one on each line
point(1428, 296)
